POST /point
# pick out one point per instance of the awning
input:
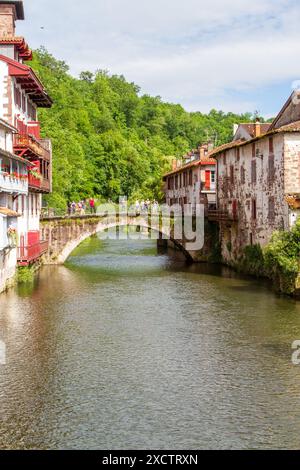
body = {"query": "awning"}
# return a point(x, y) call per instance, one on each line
point(8, 212)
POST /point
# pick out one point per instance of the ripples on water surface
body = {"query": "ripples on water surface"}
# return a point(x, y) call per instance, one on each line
point(125, 348)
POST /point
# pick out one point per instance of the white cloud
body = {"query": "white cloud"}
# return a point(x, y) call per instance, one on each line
point(193, 52)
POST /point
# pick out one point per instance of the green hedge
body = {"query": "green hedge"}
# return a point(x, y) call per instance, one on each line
point(279, 260)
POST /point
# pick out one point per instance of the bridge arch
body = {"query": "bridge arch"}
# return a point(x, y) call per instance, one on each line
point(65, 234)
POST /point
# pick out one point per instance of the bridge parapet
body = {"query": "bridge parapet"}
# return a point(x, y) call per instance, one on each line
point(64, 234)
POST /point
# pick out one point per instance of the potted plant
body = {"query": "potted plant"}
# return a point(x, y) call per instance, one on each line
point(36, 174)
point(12, 236)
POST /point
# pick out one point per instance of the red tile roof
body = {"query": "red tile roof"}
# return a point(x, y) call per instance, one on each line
point(29, 81)
point(293, 127)
point(187, 166)
point(250, 128)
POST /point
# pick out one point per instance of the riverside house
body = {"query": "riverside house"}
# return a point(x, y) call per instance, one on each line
point(13, 188)
point(192, 180)
point(26, 158)
point(258, 179)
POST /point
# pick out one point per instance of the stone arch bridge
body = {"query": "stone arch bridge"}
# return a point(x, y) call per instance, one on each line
point(64, 234)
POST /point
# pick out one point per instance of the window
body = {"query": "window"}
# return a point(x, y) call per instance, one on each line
point(31, 111)
point(24, 103)
point(231, 174)
point(190, 178)
point(237, 154)
point(169, 183)
point(17, 96)
point(224, 158)
point(36, 204)
point(253, 171)
point(253, 150)
point(184, 179)
point(243, 175)
point(176, 182)
point(271, 214)
point(213, 177)
point(253, 209)
point(271, 145)
point(271, 168)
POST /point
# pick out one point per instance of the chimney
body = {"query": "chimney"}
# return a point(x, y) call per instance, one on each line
point(10, 11)
point(202, 149)
point(257, 131)
point(235, 128)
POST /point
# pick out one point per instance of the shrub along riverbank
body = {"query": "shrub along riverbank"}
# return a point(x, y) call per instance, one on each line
point(279, 261)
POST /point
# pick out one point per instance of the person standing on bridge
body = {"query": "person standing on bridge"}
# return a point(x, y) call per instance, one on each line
point(92, 205)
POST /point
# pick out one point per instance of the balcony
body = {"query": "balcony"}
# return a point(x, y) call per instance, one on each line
point(222, 216)
point(13, 183)
point(29, 254)
point(28, 146)
point(37, 183)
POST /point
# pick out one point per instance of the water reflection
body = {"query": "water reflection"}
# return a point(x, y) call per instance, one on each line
point(127, 348)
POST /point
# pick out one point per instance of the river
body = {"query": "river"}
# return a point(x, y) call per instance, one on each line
point(125, 348)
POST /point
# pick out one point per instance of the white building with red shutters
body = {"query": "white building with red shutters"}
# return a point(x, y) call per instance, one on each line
point(192, 180)
point(25, 157)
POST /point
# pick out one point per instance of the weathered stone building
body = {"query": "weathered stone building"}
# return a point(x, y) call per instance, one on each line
point(258, 179)
point(192, 180)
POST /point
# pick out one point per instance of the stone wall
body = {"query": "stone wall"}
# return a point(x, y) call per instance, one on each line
point(254, 181)
point(8, 266)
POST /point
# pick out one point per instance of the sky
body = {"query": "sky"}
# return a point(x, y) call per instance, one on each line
point(233, 55)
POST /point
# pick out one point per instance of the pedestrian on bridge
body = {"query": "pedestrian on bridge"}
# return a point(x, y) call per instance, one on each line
point(92, 205)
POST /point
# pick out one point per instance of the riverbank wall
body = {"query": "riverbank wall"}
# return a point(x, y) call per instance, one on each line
point(8, 268)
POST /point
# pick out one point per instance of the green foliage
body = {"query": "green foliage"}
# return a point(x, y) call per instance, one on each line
point(252, 261)
point(282, 258)
point(108, 140)
point(279, 260)
point(26, 274)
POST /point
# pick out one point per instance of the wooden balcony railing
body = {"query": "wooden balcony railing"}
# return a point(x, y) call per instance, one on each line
point(39, 147)
point(28, 254)
point(34, 182)
point(221, 216)
point(38, 184)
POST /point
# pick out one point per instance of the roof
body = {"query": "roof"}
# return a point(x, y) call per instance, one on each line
point(7, 125)
point(8, 212)
point(288, 128)
point(250, 127)
point(281, 112)
point(19, 8)
point(24, 52)
point(187, 166)
point(12, 156)
point(29, 81)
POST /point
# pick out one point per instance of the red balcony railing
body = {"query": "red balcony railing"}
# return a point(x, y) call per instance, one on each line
point(34, 182)
point(28, 254)
point(38, 147)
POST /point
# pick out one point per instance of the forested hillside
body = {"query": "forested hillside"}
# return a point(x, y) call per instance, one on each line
point(109, 140)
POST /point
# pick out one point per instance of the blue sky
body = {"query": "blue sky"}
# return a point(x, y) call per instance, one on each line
point(233, 55)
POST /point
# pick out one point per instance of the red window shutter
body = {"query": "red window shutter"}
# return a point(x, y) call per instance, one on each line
point(207, 179)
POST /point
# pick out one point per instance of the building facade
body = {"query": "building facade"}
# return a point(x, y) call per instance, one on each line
point(26, 158)
point(258, 178)
point(192, 180)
